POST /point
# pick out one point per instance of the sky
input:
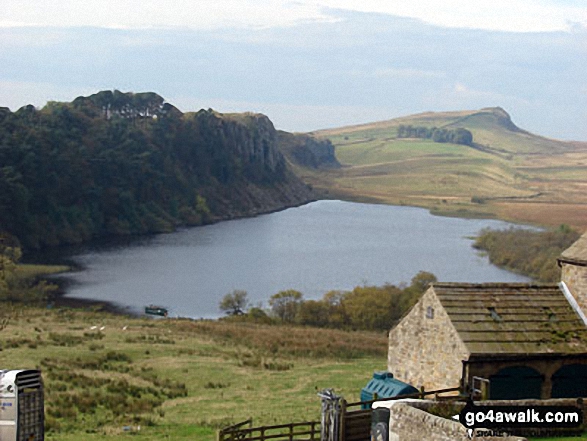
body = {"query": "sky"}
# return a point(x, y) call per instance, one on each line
point(307, 64)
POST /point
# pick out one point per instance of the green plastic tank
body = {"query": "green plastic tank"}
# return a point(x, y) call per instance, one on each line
point(385, 386)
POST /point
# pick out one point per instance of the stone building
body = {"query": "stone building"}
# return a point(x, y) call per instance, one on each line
point(573, 263)
point(529, 341)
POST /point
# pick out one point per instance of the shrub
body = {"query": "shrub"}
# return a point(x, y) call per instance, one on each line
point(528, 252)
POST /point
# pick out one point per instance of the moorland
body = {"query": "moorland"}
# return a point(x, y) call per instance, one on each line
point(504, 172)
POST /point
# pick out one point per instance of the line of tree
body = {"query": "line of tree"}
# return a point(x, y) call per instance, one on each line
point(121, 163)
point(454, 136)
point(373, 308)
point(528, 252)
point(13, 287)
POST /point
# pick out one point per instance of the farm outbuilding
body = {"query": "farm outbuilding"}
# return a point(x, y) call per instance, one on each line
point(529, 341)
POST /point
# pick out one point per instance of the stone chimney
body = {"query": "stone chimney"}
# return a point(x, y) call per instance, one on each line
point(573, 262)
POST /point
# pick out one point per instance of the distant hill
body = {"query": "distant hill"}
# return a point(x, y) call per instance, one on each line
point(118, 163)
point(491, 127)
point(503, 171)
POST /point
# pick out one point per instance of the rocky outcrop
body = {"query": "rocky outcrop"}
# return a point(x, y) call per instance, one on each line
point(249, 138)
point(307, 151)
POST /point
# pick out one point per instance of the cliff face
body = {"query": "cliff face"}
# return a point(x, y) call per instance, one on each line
point(247, 141)
point(254, 139)
point(253, 148)
point(121, 163)
point(308, 151)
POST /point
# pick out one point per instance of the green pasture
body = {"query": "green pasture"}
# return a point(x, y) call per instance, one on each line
point(106, 376)
point(412, 168)
point(379, 150)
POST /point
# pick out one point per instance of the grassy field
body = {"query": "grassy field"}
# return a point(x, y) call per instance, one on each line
point(30, 270)
point(179, 379)
point(508, 173)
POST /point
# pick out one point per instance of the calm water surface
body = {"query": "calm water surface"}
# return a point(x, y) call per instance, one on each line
point(315, 248)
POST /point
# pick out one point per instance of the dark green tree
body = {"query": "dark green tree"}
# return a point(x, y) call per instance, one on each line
point(421, 281)
point(234, 303)
point(314, 313)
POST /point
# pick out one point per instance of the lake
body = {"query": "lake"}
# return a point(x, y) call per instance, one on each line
point(322, 246)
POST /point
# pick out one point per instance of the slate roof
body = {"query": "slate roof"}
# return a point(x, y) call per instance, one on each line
point(576, 253)
point(511, 318)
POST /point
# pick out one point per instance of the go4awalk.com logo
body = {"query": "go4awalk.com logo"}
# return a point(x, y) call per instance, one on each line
point(502, 418)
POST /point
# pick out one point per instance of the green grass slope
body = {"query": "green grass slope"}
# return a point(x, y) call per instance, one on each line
point(107, 375)
point(507, 172)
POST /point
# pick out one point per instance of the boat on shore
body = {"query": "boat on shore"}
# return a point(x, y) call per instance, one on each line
point(156, 310)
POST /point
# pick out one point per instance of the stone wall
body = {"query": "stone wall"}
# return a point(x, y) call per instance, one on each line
point(544, 432)
point(426, 351)
point(446, 409)
point(407, 423)
point(575, 277)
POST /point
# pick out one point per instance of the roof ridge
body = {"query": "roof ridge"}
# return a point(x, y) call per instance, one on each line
point(577, 252)
point(488, 285)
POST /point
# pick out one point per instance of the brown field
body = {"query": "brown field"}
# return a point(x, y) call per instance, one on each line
point(544, 213)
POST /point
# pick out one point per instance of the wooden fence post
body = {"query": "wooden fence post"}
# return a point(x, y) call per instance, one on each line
point(341, 433)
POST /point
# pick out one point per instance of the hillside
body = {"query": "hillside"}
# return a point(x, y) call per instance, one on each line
point(504, 172)
point(491, 127)
point(121, 163)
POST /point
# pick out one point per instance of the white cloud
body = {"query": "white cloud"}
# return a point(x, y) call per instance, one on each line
point(501, 15)
point(497, 15)
point(123, 14)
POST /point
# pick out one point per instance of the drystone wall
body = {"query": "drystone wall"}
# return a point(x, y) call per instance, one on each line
point(407, 423)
